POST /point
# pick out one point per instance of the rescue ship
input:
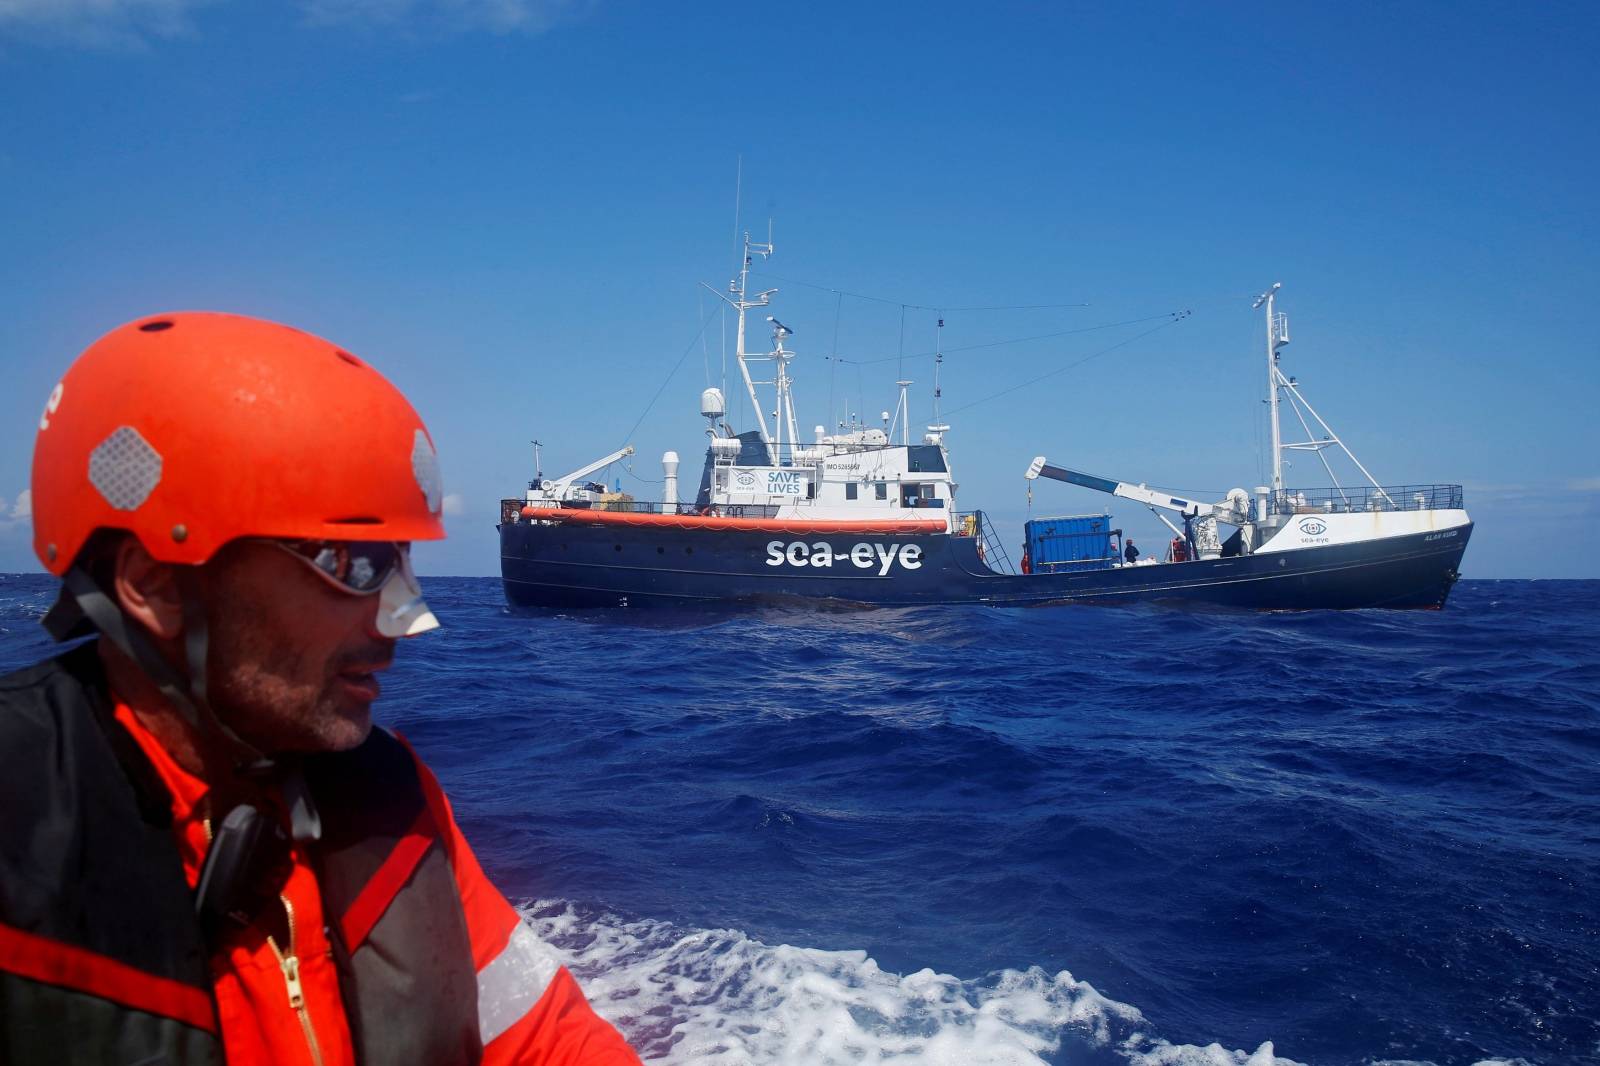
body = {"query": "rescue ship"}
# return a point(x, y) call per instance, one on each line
point(858, 517)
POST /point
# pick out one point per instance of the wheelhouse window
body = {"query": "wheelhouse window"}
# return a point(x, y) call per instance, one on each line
point(881, 489)
point(850, 490)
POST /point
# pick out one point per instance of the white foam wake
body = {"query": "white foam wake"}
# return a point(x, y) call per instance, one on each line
point(715, 996)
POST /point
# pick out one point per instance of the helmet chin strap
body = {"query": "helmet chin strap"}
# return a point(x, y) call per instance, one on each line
point(84, 600)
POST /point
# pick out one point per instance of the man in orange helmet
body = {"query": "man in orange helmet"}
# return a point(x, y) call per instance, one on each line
point(208, 853)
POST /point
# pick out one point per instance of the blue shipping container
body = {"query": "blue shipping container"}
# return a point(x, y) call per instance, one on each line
point(1074, 542)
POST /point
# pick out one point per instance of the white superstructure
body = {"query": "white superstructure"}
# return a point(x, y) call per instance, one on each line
point(856, 472)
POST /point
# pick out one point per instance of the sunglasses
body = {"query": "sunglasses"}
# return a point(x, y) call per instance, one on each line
point(359, 567)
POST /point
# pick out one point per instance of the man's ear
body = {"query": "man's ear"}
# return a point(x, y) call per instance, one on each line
point(147, 590)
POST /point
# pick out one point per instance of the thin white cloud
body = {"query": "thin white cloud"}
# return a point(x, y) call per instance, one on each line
point(453, 504)
point(98, 23)
point(1575, 499)
point(1532, 490)
point(19, 512)
point(1497, 491)
point(135, 24)
point(336, 12)
point(496, 16)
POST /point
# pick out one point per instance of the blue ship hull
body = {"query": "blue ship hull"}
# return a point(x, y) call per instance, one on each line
point(564, 566)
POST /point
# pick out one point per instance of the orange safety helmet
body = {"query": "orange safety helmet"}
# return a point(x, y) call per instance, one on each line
point(189, 430)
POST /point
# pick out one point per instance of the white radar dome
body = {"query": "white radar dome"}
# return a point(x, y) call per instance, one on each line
point(711, 403)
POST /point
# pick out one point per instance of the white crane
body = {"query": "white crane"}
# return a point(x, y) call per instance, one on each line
point(551, 491)
point(1203, 517)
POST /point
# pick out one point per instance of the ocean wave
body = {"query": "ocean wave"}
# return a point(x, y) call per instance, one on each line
point(718, 997)
point(1340, 837)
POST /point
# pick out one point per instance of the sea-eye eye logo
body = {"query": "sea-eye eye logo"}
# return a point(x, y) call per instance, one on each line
point(1313, 527)
point(745, 480)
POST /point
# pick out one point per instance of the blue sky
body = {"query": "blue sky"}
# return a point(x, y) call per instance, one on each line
point(507, 206)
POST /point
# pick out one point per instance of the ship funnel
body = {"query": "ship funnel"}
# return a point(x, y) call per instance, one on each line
point(711, 404)
point(669, 470)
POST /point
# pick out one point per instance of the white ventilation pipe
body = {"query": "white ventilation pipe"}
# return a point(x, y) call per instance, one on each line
point(669, 468)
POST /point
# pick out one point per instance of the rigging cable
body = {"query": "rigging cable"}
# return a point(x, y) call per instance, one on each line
point(705, 352)
point(903, 304)
point(675, 366)
point(1020, 340)
point(833, 360)
point(1174, 318)
point(901, 368)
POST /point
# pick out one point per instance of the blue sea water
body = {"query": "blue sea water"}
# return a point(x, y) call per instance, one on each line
point(1068, 835)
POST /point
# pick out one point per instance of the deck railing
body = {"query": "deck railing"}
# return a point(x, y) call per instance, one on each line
point(1387, 498)
point(991, 548)
point(510, 509)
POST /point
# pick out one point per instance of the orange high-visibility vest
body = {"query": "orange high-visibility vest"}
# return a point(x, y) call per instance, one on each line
point(401, 949)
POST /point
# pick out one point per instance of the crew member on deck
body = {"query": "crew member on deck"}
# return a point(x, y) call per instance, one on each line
point(208, 853)
point(1129, 552)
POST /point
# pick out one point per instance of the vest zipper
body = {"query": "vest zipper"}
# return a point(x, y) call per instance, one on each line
point(290, 964)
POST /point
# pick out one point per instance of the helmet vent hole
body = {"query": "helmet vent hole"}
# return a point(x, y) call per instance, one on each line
point(157, 326)
point(347, 357)
point(355, 520)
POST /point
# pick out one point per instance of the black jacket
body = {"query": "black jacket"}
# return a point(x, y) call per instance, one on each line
point(101, 959)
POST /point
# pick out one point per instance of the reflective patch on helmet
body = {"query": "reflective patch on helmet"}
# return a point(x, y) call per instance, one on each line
point(425, 466)
point(125, 469)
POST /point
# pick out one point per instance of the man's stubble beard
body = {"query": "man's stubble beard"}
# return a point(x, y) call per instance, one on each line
point(264, 689)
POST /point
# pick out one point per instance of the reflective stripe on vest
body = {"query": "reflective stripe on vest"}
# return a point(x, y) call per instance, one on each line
point(382, 887)
point(52, 962)
point(510, 985)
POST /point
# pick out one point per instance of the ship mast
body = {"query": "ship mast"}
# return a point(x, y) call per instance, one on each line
point(1277, 337)
point(902, 413)
point(783, 417)
point(741, 302)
